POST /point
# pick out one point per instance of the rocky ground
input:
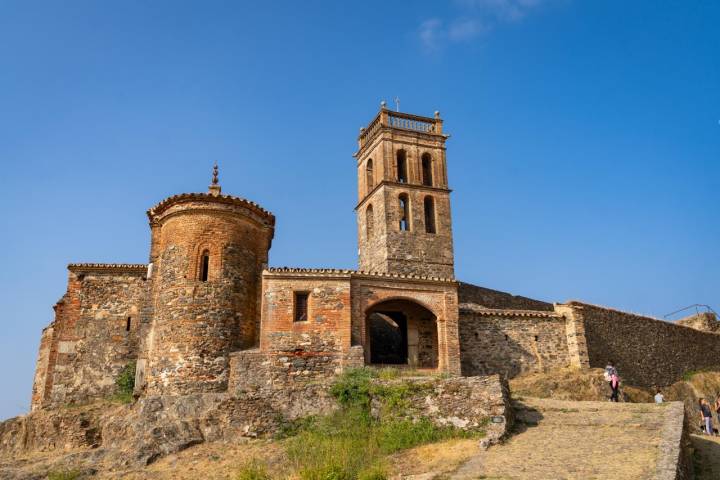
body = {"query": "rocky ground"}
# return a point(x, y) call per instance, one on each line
point(569, 434)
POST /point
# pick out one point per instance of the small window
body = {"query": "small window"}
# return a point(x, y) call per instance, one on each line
point(507, 338)
point(301, 306)
point(429, 205)
point(369, 221)
point(402, 166)
point(537, 338)
point(369, 176)
point(427, 169)
point(128, 324)
point(404, 204)
point(204, 266)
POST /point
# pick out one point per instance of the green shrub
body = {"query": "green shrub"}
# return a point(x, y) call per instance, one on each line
point(253, 470)
point(352, 388)
point(388, 373)
point(126, 380)
point(396, 435)
point(64, 475)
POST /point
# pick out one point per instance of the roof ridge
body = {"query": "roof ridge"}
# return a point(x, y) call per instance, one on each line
point(410, 276)
point(164, 204)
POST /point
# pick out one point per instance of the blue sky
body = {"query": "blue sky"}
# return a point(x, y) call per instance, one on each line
point(584, 157)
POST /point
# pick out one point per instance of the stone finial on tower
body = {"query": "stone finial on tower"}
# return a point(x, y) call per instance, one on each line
point(215, 188)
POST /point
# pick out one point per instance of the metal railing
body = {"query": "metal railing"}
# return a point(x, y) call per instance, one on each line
point(699, 308)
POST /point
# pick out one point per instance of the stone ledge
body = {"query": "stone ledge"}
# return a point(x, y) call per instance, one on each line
point(493, 312)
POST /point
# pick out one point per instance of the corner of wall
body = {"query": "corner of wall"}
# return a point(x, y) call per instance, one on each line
point(575, 331)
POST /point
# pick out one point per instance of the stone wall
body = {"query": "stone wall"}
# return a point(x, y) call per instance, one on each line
point(703, 321)
point(646, 351)
point(469, 293)
point(468, 403)
point(93, 337)
point(197, 321)
point(511, 342)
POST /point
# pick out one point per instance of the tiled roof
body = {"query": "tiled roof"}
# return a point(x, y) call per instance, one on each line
point(123, 267)
point(494, 312)
point(337, 271)
point(207, 197)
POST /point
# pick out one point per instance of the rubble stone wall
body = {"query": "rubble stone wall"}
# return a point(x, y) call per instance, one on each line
point(196, 322)
point(511, 342)
point(646, 351)
point(469, 293)
point(94, 336)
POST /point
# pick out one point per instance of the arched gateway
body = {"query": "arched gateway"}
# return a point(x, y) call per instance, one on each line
point(401, 332)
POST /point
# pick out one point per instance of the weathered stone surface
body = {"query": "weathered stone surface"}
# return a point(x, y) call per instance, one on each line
point(511, 342)
point(647, 351)
point(469, 403)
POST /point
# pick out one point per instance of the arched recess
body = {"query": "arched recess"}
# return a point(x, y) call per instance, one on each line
point(401, 332)
point(369, 175)
point(426, 161)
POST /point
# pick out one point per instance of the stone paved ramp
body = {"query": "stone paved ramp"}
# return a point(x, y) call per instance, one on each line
point(580, 440)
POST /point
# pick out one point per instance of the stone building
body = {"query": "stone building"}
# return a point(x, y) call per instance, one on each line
point(207, 313)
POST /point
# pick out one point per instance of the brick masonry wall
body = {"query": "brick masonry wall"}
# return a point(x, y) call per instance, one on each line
point(469, 293)
point(197, 323)
point(327, 328)
point(439, 297)
point(511, 342)
point(89, 343)
point(646, 351)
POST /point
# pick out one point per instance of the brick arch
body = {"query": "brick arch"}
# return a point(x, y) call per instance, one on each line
point(401, 298)
point(216, 261)
point(402, 331)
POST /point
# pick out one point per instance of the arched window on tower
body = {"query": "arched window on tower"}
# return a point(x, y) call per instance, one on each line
point(427, 169)
point(429, 205)
point(402, 176)
point(404, 204)
point(369, 177)
point(369, 221)
point(204, 266)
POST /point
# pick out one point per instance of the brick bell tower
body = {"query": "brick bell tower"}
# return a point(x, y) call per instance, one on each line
point(403, 211)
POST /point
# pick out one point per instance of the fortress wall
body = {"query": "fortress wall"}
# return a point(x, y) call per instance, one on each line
point(91, 341)
point(468, 293)
point(646, 351)
point(327, 328)
point(511, 342)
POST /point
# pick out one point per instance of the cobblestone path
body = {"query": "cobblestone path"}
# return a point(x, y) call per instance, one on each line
point(574, 440)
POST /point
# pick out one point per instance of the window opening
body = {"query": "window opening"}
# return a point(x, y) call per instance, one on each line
point(204, 266)
point(301, 306)
point(401, 166)
point(429, 215)
point(369, 177)
point(427, 169)
point(404, 212)
point(369, 221)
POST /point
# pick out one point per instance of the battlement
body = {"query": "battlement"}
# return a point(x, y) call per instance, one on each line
point(387, 119)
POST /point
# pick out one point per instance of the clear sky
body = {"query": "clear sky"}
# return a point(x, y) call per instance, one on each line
point(584, 157)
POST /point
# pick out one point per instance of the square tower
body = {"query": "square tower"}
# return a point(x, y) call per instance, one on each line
point(403, 211)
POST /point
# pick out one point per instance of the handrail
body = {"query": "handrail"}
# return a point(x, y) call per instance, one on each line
point(402, 121)
point(708, 309)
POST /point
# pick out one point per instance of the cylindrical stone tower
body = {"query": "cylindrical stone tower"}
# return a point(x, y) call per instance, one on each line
point(207, 255)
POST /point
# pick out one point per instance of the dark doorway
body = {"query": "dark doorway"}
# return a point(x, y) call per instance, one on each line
point(401, 332)
point(388, 337)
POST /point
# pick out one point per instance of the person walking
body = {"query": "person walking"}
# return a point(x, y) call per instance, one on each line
point(706, 416)
point(610, 370)
point(615, 387)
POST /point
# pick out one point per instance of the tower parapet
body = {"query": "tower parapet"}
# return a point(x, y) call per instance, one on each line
point(208, 251)
point(403, 211)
